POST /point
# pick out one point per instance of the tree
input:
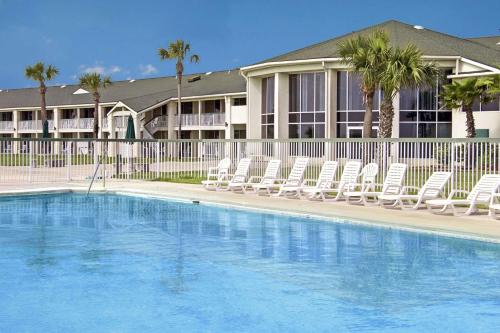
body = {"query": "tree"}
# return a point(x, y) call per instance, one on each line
point(178, 51)
point(366, 55)
point(41, 74)
point(463, 93)
point(94, 82)
point(404, 68)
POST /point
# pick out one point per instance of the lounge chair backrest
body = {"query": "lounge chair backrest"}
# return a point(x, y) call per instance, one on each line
point(436, 182)
point(271, 173)
point(224, 165)
point(394, 178)
point(369, 174)
point(486, 185)
point(297, 174)
point(350, 174)
point(326, 175)
point(242, 170)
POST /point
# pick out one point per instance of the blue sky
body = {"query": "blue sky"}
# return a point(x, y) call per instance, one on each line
point(121, 38)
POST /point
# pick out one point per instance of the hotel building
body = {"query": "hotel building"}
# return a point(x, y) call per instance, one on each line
point(307, 93)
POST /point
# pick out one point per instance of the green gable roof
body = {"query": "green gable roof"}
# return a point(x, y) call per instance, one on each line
point(430, 42)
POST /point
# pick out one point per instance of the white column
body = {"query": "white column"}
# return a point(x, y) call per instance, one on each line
point(100, 121)
point(137, 128)
point(281, 101)
point(57, 134)
point(112, 134)
point(15, 124)
point(331, 104)
point(227, 117)
point(171, 112)
point(254, 101)
point(36, 123)
point(395, 120)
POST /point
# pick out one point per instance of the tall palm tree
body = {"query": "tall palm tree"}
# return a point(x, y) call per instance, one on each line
point(463, 93)
point(41, 73)
point(94, 82)
point(365, 54)
point(404, 68)
point(178, 51)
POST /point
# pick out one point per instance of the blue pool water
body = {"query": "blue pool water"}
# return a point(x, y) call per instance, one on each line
point(126, 264)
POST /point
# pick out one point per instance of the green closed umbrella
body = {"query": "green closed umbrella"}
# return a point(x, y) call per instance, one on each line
point(130, 129)
point(45, 129)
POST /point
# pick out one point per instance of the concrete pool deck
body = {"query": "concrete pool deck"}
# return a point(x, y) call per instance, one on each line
point(480, 227)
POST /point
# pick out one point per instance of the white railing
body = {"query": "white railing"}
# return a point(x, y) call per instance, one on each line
point(86, 123)
point(68, 123)
point(6, 126)
point(189, 120)
point(48, 161)
point(212, 119)
point(27, 125)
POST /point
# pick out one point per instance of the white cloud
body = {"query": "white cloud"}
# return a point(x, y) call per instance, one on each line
point(100, 69)
point(148, 69)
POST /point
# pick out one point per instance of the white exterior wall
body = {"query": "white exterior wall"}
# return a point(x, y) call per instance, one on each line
point(281, 107)
point(483, 120)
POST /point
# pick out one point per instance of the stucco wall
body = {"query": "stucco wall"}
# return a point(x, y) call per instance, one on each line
point(489, 120)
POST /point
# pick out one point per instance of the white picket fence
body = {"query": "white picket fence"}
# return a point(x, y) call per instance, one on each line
point(61, 160)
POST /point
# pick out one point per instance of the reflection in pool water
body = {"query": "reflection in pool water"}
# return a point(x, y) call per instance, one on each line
point(127, 264)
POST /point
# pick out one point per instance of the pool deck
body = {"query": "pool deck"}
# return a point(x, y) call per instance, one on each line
point(480, 227)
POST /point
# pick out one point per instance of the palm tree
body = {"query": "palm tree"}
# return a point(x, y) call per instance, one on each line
point(365, 55)
point(94, 82)
point(41, 74)
point(404, 68)
point(463, 93)
point(178, 50)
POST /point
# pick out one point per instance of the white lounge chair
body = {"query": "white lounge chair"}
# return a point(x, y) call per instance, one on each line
point(481, 194)
point(323, 183)
point(294, 178)
point(240, 175)
point(432, 189)
point(347, 182)
point(217, 174)
point(269, 178)
point(392, 185)
point(494, 205)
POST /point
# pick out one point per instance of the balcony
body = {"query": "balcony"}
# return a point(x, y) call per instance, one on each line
point(6, 126)
point(33, 125)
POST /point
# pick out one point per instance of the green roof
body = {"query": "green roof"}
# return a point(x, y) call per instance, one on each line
point(137, 94)
point(430, 42)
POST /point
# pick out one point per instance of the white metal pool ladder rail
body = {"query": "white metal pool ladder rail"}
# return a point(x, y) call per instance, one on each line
point(95, 174)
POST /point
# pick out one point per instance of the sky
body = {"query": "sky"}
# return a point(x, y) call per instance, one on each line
point(120, 38)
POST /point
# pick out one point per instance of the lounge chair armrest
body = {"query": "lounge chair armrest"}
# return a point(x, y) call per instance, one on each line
point(308, 181)
point(255, 179)
point(454, 192)
point(404, 189)
point(396, 187)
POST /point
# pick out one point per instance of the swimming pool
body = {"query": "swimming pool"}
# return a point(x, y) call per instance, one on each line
point(111, 263)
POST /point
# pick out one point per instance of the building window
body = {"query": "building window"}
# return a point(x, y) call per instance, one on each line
point(87, 113)
point(68, 113)
point(421, 113)
point(239, 101)
point(494, 105)
point(267, 114)
point(212, 106)
point(187, 107)
point(5, 116)
point(306, 115)
point(350, 108)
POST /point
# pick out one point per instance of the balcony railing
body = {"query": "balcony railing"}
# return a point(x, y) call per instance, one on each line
point(86, 123)
point(68, 123)
point(212, 119)
point(6, 125)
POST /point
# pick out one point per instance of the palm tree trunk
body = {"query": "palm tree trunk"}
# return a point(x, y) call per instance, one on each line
point(368, 120)
point(470, 124)
point(386, 118)
point(43, 104)
point(96, 116)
